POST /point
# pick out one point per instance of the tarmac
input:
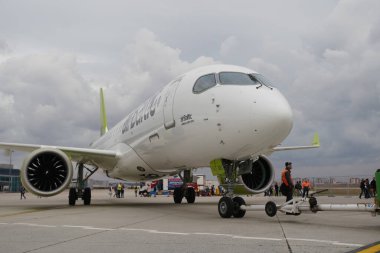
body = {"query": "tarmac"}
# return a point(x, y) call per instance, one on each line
point(158, 225)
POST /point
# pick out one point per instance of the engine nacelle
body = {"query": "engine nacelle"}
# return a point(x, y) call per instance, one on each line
point(256, 176)
point(46, 172)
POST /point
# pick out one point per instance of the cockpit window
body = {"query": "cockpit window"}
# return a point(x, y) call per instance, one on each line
point(204, 82)
point(263, 80)
point(237, 78)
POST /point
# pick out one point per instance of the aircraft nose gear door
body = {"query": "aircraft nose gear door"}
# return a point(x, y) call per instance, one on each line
point(169, 121)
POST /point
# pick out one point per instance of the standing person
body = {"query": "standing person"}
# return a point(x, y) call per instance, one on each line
point(110, 188)
point(118, 190)
point(217, 192)
point(115, 191)
point(366, 189)
point(276, 189)
point(136, 191)
point(305, 188)
point(212, 190)
point(22, 192)
point(207, 191)
point(122, 191)
point(372, 186)
point(361, 188)
point(298, 187)
point(287, 182)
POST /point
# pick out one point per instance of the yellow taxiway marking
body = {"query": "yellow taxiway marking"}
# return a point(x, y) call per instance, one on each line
point(372, 248)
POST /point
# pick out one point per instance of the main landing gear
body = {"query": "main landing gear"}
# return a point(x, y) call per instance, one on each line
point(229, 205)
point(184, 190)
point(79, 191)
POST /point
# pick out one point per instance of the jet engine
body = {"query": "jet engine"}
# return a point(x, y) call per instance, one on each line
point(256, 175)
point(46, 172)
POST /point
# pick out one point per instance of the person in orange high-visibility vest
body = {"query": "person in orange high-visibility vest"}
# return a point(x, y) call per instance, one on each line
point(287, 181)
point(305, 188)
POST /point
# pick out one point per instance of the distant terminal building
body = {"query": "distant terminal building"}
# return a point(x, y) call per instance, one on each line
point(9, 178)
point(355, 180)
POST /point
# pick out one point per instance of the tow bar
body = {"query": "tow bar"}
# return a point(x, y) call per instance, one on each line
point(299, 205)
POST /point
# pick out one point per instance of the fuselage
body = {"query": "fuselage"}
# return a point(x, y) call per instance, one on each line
point(219, 111)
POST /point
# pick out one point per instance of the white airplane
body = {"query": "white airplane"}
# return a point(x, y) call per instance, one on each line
point(222, 116)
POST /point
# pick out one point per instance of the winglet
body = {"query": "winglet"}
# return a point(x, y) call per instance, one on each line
point(314, 144)
point(103, 116)
point(316, 140)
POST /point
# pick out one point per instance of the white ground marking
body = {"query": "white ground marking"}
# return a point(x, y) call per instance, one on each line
point(153, 231)
point(105, 229)
point(348, 244)
point(35, 225)
point(310, 240)
point(257, 238)
point(72, 226)
point(326, 241)
point(200, 233)
point(240, 237)
point(88, 227)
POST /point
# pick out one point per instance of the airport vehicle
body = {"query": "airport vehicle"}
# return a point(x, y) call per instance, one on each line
point(223, 116)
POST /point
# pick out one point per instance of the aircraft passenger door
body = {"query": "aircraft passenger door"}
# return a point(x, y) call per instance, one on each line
point(169, 121)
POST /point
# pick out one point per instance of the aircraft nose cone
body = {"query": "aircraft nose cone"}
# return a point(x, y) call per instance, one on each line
point(277, 116)
point(282, 114)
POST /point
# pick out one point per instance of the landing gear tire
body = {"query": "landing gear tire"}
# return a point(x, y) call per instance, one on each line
point(225, 207)
point(190, 196)
point(87, 196)
point(270, 208)
point(237, 212)
point(178, 195)
point(72, 196)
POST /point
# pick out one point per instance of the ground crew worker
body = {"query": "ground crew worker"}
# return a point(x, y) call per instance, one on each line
point(217, 192)
point(136, 191)
point(287, 181)
point(305, 188)
point(119, 187)
point(22, 192)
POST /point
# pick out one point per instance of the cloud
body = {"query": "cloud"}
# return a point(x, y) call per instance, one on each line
point(148, 65)
point(228, 45)
point(47, 100)
point(335, 89)
point(4, 47)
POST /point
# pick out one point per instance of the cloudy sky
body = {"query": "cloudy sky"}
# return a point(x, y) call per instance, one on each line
point(323, 55)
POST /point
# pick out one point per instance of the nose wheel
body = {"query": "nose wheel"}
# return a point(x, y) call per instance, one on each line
point(228, 207)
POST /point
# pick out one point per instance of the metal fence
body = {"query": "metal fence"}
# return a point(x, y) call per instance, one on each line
point(339, 185)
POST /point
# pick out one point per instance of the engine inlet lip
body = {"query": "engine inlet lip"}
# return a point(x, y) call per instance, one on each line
point(266, 183)
point(25, 178)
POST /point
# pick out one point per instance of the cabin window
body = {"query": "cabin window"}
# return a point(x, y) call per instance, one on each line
point(204, 83)
point(236, 78)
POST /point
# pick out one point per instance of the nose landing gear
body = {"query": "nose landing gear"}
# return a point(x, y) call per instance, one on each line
point(229, 205)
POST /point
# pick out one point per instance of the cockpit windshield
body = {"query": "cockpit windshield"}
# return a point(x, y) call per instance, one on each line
point(237, 78)
point(263, 80)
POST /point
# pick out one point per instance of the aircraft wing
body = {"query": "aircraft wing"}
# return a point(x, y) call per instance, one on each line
point(85, 155)
point(315, 144)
